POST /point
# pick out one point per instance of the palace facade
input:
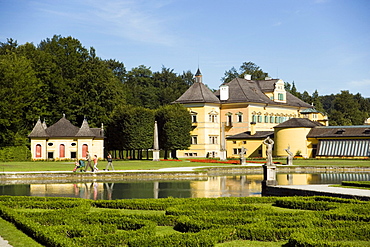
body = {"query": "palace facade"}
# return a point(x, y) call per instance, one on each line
point(243, 112)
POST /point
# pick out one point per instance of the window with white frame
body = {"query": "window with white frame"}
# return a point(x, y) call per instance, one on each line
point(194, 139)
point(212, 117)
point(229, 120)
point(280, 96)
point(213, 140)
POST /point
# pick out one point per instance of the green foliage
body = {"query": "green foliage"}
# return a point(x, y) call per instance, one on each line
point(198, 221)
point(347, 110)
point(132, 128)
point(174, 124)
point(15, 153)
point(18, 86)
point(249, 68)
point(342, 109)
point(152, 90)
point(60, 75)
point(365, 184)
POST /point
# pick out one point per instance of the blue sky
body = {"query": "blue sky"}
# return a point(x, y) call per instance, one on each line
point(321, 45)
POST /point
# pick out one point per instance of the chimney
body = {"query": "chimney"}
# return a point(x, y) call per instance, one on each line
point(248, 77)
point(253, 128)
point(224, 92)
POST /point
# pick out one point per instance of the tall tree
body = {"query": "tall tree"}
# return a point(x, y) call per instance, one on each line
point(188, 77)
point(8, 47)
point(230, 75)
point(171, 86)
point(317, 102)
point(132, 128)
point(174, 124)
point(18, 85)
point(140, 89)
point(249, 68)
point(346, 110)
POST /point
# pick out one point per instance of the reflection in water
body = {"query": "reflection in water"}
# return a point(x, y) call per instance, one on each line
point(216, 186)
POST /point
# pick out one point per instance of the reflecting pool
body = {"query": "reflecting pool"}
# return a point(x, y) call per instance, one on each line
point(213, 186)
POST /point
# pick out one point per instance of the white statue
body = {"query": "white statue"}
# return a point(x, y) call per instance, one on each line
point(269, 145)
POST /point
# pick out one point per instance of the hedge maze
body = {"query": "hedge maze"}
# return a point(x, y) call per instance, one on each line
point(289, 221)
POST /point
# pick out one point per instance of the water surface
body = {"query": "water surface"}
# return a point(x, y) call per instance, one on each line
point(213, 186)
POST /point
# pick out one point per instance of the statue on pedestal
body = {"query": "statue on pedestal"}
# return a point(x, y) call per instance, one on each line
point(269, 145)
point(289, 159)
point(242, 154)
point(269, 169)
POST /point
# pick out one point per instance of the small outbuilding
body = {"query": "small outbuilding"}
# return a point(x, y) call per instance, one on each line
point(63, 141)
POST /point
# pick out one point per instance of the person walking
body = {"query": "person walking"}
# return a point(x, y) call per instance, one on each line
point(109, 164)
point(96, 163)
point(88, 159)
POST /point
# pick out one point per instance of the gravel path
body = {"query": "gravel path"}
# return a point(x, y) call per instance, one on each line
point(4, 243)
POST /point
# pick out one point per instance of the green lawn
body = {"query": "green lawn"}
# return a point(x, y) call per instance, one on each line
point(14, 236)
point(155, 165)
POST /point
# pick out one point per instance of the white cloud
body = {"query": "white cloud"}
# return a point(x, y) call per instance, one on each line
point(361, 83)
point(137, 20)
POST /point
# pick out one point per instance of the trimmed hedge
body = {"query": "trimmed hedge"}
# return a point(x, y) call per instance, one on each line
point(302, 221)
point(365, 184)
point(15, 153)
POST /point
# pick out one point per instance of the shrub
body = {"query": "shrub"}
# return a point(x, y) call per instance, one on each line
point(15, 153)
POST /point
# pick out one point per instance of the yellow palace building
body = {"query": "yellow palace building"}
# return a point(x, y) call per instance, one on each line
point(241, 114)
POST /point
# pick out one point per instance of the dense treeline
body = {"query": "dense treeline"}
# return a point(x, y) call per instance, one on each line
point(342, 109)
point(61, 76)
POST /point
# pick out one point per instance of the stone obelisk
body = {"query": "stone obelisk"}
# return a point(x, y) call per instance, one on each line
point(223, 142)
point(155, 145)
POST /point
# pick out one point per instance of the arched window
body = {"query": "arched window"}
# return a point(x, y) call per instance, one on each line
point(62, 151)
point(85, 148)
point(38, 151)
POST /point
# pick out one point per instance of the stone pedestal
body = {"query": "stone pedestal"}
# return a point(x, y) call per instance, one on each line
point(155, 155)
point(223, 155)
point(269, 175)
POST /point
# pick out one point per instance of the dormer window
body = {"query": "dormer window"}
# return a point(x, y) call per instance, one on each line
point(279, 92)
point(367, 131)
point(280, 96)
point(340, 131)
